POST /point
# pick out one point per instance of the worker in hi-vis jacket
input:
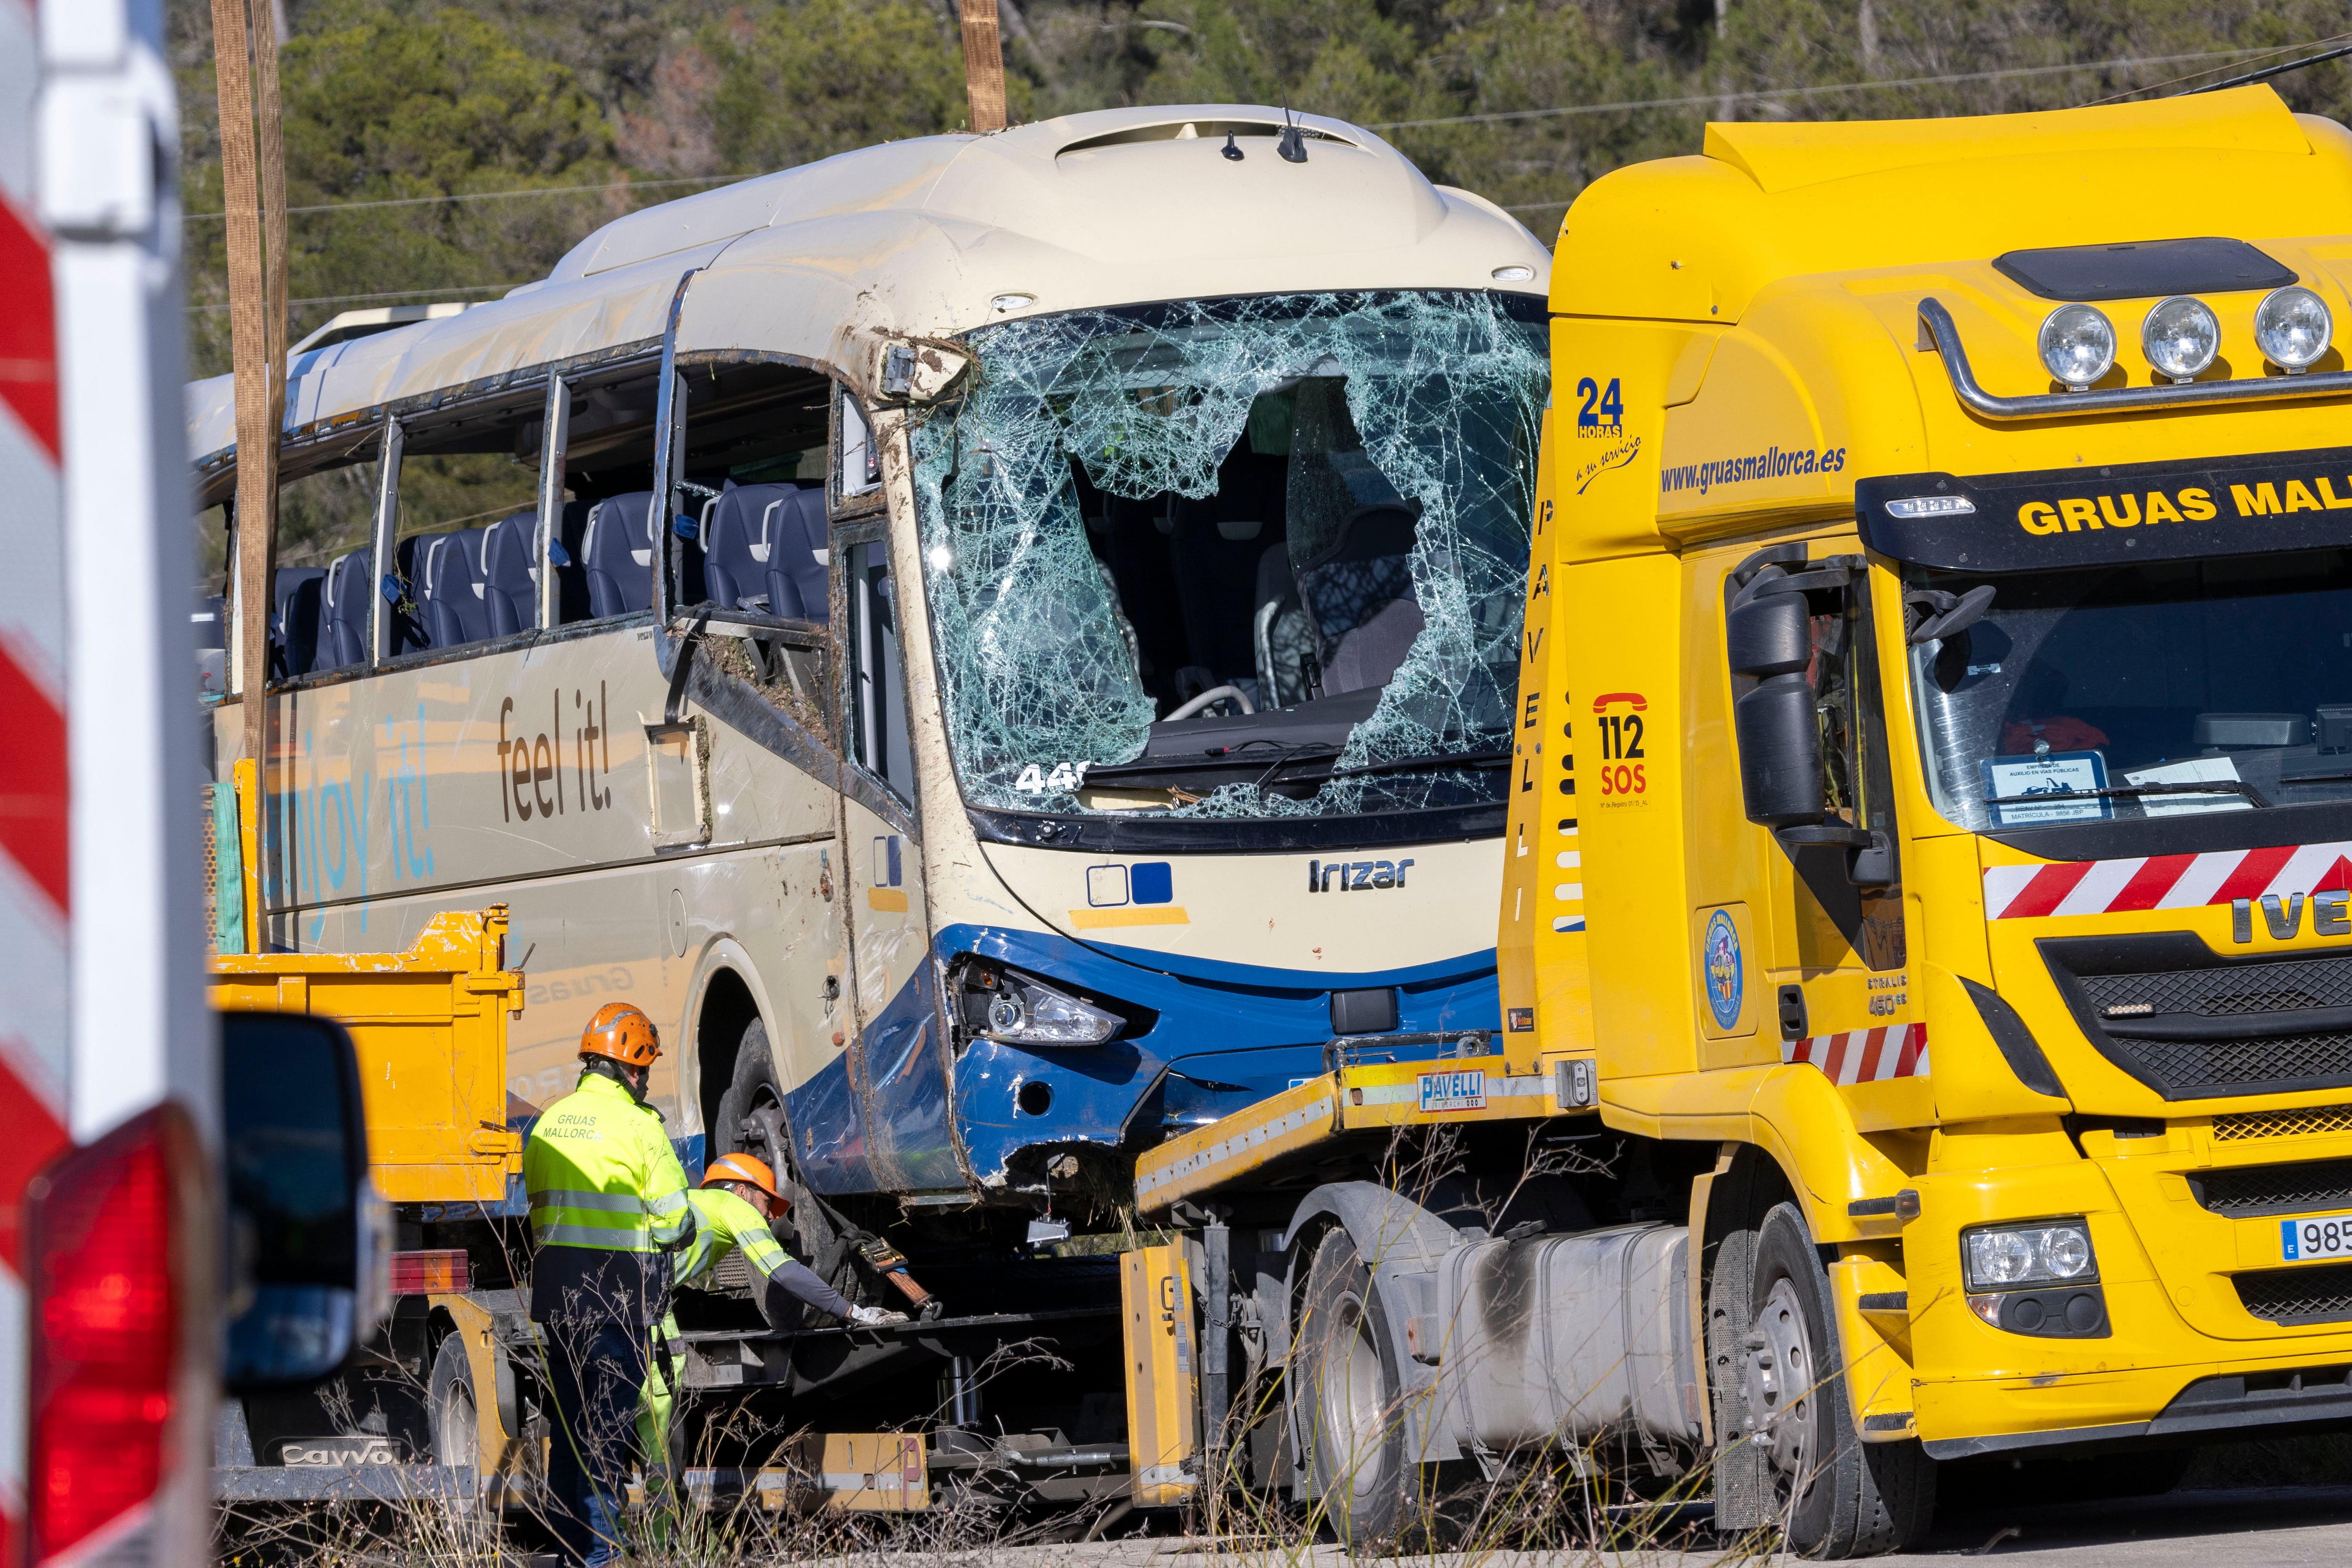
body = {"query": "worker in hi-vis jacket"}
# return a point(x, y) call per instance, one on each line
point(608, 1207)
point(735, 1210)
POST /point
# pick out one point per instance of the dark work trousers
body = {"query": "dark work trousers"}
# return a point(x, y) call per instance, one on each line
point(597, 1371)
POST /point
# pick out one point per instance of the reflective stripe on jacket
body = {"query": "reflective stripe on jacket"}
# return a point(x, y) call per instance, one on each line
point(724, 1223)
point(607, 1197)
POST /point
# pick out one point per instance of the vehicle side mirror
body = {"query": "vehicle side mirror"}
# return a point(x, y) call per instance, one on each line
point(1768, 636)
point(306, 1229)
point(1769, 633)
point(1779, 751)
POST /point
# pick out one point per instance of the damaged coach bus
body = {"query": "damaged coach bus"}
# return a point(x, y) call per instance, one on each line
point(1004, 646)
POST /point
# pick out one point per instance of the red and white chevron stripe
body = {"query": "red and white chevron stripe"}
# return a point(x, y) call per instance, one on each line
point(2164, 881)
point(1865, 1056)
point(33, 772)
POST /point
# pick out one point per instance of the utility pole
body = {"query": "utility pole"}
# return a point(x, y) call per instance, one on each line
point(253, 179)
point(983, 65)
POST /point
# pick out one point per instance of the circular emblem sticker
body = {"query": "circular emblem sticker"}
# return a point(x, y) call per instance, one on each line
point(1726, 983)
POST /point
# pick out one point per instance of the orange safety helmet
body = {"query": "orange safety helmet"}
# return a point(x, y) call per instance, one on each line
point(621, 1032)
point(743, 1168)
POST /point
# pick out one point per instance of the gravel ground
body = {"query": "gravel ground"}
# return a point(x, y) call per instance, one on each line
point(2275, 1528)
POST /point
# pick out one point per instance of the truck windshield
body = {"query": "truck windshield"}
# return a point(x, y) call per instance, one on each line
point(2161, 689)
point(1236, 558)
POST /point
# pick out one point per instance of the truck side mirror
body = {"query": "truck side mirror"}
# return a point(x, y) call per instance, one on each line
point(1767, 633)
point(1768, 636)
point(306, 1247)
point(1779, 751)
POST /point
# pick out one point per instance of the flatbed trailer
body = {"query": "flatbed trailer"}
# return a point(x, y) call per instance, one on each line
point(1389, 1267)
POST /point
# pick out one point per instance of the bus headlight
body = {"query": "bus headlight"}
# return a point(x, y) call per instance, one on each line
point(2292, 327)
point(2078, 345)
point(1006, 1005)
point(2181, 336)
point(2053, 1251)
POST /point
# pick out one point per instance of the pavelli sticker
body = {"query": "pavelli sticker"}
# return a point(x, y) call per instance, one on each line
point(1454, 1091)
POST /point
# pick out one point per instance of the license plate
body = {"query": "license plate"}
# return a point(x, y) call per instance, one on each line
point(2302, 1239)
point(1454, 1091)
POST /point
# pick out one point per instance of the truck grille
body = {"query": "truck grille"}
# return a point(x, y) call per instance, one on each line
point(2192, 1069)
point(2232, 993)
point(2303, 1121)
point(2191, 1024)
point(2249, 1191)
point(2293, 1296)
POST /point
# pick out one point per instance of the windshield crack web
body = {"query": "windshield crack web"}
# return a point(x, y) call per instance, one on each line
point(1443, 391)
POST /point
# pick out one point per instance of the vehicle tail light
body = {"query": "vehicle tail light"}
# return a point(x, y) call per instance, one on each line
point(447, 1270)
point(115, 1233)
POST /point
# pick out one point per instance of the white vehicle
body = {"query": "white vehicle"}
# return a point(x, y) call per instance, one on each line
point(120, 1146)
point(1003, 645)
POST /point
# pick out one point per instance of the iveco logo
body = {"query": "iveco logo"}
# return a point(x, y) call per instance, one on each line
point(339, 1453)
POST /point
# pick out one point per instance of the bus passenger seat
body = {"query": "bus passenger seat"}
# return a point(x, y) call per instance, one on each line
point(448, 594)
point(794, 527)
point(343, 634)
point(1359, 595)
point(1214, 559)
point(294, 629)
point(510, 576)
point(618, 554)
point(740, 546)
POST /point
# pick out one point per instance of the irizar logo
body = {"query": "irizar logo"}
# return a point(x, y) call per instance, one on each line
point(1355, 876)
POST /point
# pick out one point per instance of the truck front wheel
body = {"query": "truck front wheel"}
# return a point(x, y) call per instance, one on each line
point(1350, 1397)
point(1838, 1496)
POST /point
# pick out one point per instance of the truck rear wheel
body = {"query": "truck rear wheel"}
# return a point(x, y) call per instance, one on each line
point(455, 1418)
point(1838, 1496)
point(1349, 1397)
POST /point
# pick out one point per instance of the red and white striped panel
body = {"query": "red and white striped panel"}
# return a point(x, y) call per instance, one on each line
point(32, 777)
point(2164, 881)
point(1865, 1056)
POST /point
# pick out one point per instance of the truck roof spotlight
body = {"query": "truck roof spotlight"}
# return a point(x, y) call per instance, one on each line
point(2077, 345)
point(2293, 328)
point(2181, 335)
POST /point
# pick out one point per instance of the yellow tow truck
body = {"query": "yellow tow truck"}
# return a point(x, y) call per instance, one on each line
point(436, 1401)
point(1926, 936)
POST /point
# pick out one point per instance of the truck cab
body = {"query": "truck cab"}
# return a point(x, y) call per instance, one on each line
point(1934, 776)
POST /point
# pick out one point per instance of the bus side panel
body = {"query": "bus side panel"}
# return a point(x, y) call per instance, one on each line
point(420, 789)
point(518, 761)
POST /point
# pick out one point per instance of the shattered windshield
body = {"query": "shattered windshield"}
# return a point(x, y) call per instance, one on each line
point(2164, 690)
point(1236, 558)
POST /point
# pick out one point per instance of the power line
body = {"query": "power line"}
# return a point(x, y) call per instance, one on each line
point(497, 196)
point(1696, 99)
point(1487, 119)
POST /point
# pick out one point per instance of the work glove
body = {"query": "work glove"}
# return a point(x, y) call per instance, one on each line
point(874, 1316)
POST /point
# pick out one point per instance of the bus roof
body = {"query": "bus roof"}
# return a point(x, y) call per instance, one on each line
point(1695, 238)
point(937, 236)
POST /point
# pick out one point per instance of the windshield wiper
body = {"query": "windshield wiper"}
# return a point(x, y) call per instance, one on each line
point(1279, 762)
point(1428, 760)
point(2119, 792)
point(1248, 755)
